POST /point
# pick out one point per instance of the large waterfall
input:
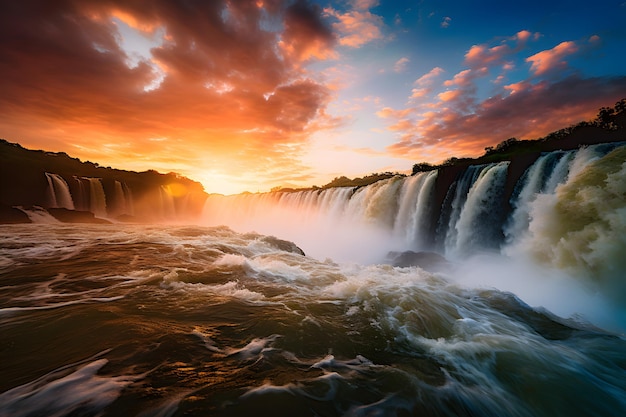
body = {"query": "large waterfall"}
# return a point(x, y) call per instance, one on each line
point(566, 214)
point(400, 213)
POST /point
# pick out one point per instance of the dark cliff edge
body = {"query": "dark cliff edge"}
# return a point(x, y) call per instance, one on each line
point(147, 196)
point(608, 127)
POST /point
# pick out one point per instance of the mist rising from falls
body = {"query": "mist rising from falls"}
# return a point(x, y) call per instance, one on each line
point(581, 226)
point(565, 221)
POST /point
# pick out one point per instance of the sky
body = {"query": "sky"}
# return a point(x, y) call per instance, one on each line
point(248, 95)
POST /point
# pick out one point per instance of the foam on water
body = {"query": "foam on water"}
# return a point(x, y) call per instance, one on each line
point(229, 323)
point(62, 393)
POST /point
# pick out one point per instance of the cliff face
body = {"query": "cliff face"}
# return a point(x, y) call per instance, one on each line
point(55, 180)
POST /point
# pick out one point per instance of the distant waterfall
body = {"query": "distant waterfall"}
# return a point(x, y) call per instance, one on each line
point(128, 196)
point(81, 194)
point(390, 213)
point(167, 209)
point(58, 192)
point(97, 198)
point(122, 200)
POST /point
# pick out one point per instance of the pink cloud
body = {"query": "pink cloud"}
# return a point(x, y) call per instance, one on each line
point(485, 56)
point(364, 4)
point(530, 111)
point(388, 112)
point(428, 78)
point(481, 55)
point(450, 95)
point(401, 64)
point(551, 59)
point(461, 79)
point(356, 27)
point(420, 92)
point(517, 87)
point(523, 35)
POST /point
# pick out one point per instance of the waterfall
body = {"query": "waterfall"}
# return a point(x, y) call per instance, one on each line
point(122, 201)
point(543, 176)
point(475, 213)
point(453, 204)
point(81, 193)
point(167, 208)
point(97, 199)
point(478, 226)
point(363, 223)
point(128, 198)
point(415, 209)
point(59, 195)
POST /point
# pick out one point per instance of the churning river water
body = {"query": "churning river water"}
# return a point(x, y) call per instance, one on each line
point(131, 320)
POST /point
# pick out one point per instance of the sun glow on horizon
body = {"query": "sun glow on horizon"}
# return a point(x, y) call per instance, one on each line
point(252, 96)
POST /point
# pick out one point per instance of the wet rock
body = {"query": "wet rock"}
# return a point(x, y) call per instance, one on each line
point(75, 216)
point(12, 215)
point(283, 245)
point(430, 261)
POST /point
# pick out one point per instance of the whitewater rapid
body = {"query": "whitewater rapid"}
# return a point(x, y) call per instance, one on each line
point(524, 317)
point(561, 234)
point(172, 320)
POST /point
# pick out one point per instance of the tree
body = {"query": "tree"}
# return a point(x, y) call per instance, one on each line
point(422, 167)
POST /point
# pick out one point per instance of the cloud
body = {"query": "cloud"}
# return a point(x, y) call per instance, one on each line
point(529, 112)
point(461, 120)
point(364, 4)
point(484, 55)
point(358, 26)
point(401, 64)
point(233, 92)
point(552, 59)
point(425, 83)
point(428, 78)
point(445, 23)
point(305, 34)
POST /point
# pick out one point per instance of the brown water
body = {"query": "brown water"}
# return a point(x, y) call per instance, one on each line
point(122, 320)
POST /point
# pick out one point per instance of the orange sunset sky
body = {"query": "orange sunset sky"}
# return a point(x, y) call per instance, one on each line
point(249, 95)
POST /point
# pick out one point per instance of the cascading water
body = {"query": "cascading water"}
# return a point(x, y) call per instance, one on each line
point(415, 209)
point(167, 208)
point(58, 192)
point(537, 226)
point(453, 205)
point(356, 224)
point(97, 197)
point(543, 176)
point(479, 221)
point(123, 200)
point(120, 199)
point(128, 198)
point(81, 194)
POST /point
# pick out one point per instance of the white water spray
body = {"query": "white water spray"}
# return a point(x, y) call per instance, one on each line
point(58, 192)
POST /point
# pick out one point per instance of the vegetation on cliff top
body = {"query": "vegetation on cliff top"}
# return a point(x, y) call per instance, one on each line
point(608, 126)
